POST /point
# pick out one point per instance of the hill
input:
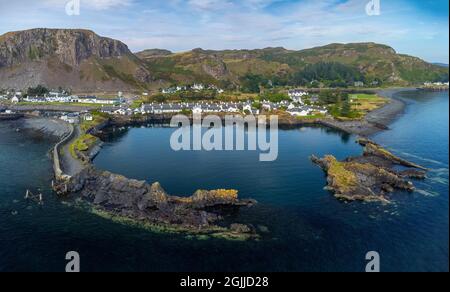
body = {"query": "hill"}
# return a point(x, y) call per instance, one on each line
point(81, 60)
point(74, 59)
point(372, 62)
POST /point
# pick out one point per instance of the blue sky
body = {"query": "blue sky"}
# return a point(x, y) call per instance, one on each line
point(415, 27)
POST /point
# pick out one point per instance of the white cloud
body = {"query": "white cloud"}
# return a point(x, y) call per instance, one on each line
point(91, 4)
point(233, 24)
point(106, 4)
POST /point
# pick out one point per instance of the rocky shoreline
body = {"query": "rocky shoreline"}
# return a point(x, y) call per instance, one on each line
point(370, 177)
point(138, 203)
point(128, 200)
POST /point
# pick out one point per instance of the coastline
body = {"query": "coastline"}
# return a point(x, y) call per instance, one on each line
point(85, 180)
point(377, 120)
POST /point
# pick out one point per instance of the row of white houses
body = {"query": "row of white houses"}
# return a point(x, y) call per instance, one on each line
point(69, 99)
point(294, 109)
point(171, 108)
point(297, 95)
point(195, 87)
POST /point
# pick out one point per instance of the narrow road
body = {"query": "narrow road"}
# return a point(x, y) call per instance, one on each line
point(70, 165)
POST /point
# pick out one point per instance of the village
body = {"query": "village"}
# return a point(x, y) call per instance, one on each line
point(294, 105)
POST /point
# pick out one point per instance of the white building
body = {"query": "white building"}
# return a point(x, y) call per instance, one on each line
point(15, 99)
point(197, 110)
point(94, 100)
point(198, 87)
point(297, 95)
point(299, 112)
point(247, 107)
point(120, 111)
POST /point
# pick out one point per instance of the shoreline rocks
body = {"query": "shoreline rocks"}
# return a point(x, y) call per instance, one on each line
point(370, 177)
point(142, 202)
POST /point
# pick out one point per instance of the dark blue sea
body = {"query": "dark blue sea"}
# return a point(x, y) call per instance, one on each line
point(309, 230)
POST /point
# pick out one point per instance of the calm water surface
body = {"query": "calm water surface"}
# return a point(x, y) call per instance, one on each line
point(309, 229)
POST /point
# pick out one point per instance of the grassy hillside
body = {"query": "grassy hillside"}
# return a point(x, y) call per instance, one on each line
point(371, 61)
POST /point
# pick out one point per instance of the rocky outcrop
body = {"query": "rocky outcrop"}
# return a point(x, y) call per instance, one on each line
point(372, 149)
point(71, 58)
point(137, 200)
point(369, 177)
point(70, 47)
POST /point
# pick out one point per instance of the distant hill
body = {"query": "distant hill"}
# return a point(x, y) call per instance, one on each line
point(373, 61)
point(76, 59)
point(441, 65)
point(153, 53)
point(83, 61)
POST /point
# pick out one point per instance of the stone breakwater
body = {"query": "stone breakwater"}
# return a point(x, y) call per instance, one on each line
point(139, 201)
point(59, 174)
point(370, 177)
point(10, 117)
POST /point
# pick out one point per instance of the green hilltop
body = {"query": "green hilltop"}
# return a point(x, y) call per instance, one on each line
point(81, 60)
point(335, 63)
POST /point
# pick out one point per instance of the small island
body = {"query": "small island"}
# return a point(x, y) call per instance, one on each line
point(370, 177)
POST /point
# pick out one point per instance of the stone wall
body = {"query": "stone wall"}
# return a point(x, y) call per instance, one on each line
point(59, 174)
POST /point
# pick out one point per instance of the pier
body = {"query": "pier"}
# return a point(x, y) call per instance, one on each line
point(39, 198)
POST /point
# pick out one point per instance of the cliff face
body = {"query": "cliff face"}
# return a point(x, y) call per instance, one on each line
point(76, 59)
point(68, 46)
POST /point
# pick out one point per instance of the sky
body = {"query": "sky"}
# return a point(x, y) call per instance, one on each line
point(415, 27)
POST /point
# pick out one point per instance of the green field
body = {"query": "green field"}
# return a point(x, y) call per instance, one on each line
point(62, 104)
point(367, 102)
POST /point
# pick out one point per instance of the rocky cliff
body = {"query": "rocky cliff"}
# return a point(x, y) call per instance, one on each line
point(75, 59)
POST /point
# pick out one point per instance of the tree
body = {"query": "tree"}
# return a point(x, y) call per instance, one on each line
point(37, 91)
point(257, 105)
point(346, 109)
point(252, 83)
point(333, 74)
point(159, 98)
point(274, 96)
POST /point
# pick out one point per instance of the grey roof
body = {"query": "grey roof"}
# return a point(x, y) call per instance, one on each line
point(109, 108)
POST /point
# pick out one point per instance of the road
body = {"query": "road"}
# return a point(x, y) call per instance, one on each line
point(69, 164)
